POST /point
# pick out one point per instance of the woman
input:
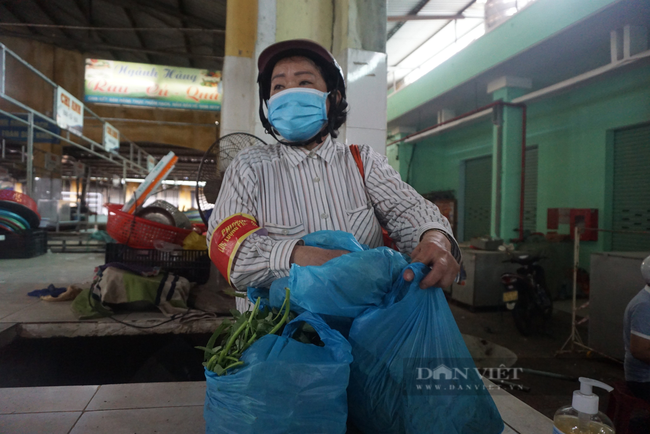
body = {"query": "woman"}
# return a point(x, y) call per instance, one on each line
point(273, 195)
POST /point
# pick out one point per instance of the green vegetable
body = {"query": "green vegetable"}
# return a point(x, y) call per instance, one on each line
point(235, 338)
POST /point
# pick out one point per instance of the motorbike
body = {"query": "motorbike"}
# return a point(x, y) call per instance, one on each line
point(525, 292)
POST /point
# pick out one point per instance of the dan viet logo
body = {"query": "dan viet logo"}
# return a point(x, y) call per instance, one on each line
point(466, 379)
point(443, 372)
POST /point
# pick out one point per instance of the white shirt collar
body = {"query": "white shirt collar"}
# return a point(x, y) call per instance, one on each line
point(325, 150)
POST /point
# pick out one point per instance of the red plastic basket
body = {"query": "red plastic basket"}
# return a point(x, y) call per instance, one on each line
point(201, 227)
point(20, 198)
point(138, 232)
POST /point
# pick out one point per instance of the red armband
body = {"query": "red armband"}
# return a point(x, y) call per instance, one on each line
point(227, 238)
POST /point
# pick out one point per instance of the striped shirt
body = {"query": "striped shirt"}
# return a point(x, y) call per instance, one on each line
point(292, 192)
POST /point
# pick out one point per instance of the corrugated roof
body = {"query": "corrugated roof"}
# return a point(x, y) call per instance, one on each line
point(170, 46)
point(406, 45)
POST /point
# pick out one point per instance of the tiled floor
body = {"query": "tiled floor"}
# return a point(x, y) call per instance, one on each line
point(61, 269)
point(173, 420)
point(125, 408)
point(20, 276)
point(52, 319)
point(161, 408)
point(37, 423)
point(118, 396)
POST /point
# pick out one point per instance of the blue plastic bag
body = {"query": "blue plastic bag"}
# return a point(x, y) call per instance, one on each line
point(344, 286)
point(412, 372)
point(334, 240)
point(284, 386)
point(330, 240)
point(261, 293)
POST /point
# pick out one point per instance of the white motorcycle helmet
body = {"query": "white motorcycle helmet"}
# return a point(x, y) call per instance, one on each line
point(645, 270)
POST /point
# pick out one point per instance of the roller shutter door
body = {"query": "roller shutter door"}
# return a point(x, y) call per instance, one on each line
point(631, 192)
point(478, 197)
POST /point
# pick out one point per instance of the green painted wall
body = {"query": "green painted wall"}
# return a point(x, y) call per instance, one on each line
point(436, 163)
point(392, 153)
point(529, 27)
point(572, 132)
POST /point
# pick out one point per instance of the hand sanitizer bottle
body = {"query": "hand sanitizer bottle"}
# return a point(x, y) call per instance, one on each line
point(582, 416)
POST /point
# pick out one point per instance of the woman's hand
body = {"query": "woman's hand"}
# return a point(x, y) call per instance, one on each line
point(434, 250)
point(304, 255)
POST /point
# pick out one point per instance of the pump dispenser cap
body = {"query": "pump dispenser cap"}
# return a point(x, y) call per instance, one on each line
point(584, 400)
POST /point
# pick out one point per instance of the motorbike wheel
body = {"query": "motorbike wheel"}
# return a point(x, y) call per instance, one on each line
point(548, 312)
point(523, 315)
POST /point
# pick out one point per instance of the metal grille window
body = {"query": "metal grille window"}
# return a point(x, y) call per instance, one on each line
point(631, 192)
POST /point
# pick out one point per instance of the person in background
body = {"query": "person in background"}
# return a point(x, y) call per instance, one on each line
point(636, 335)
point(273, 195)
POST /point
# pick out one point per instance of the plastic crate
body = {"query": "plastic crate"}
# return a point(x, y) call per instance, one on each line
point(20, 245)
point(194, 265)
point(139, 232)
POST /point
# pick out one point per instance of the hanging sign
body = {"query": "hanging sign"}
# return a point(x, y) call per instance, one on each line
point(15, 130)
point(111, 138)
point(141, 84)
point(151, 162)
point(52, 162)
point(69, 112)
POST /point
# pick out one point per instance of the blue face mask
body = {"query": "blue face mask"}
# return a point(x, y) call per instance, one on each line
point(298, 113)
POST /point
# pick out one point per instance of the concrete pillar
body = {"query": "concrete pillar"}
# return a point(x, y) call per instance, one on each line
point(359, 45)
point(239, 67)
point(305, 19)
point(506, 157)
point(266, 35)
point(353, 30)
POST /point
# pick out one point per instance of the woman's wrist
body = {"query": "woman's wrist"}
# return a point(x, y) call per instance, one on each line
point(306, 255)
point(439, 237)
point(295, 253)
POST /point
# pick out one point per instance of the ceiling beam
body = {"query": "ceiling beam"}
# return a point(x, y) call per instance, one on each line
point(417, 8)
point(425, 17)
point(41, 7)
point(113, 29)
point(10, 18)
point(460, 12)
point(186, 37)
point(155, 6)
point(66, 31)
point(131, 17)
point(86, 12)
point(92, 47)
point(10, 7)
